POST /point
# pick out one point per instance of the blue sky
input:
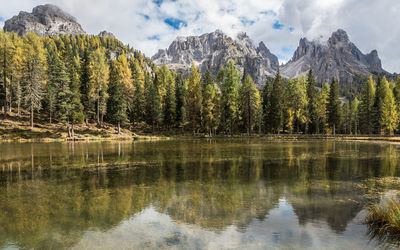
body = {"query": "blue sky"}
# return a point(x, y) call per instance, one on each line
point(153, 25)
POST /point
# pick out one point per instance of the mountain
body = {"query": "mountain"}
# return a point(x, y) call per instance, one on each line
point(338, 58)
point(45, 20)
point(105, 33)
point(213, 50)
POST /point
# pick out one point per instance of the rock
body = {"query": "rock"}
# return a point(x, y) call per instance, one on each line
point(211, 51)
point(44, 20)
point(338, 58)
point(105, 33)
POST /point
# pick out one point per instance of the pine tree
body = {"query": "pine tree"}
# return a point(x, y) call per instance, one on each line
point(138, 99)
point(276, 104)
point(180, 96)
point(333, 107)
point(249, 103)
point(98, 79)
point(209, 105)
point(117, 103)
point(52, 86)
point(86, 88)
point(152, 102)
point(229, 97)
point(389, 116)
point(355, 104)
point(322, 106)
point(76, 115)
point(7, 54)
point(194, 99)
point(312, 121)
point(366, 106)
point(265, 104)
point(33, 73)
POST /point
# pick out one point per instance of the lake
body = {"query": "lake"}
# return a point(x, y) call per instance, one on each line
point(192, 194)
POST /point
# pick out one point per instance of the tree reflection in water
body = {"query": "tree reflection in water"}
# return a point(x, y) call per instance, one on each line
point(57, 195)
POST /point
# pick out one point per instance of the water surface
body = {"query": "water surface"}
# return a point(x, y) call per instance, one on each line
point(191, 194)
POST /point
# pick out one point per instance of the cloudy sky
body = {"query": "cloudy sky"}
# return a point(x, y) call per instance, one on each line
point(151, 25)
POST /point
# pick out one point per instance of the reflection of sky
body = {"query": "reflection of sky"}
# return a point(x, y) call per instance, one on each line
point(151, 229)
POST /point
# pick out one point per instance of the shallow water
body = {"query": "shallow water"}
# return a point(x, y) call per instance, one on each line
point(191, 194)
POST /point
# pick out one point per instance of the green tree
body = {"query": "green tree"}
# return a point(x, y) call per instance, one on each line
point(34, 72)
point(98, 79)
point(180, 96)
point(138, 108)
point(117, 102)
point(210, 101)
point(366, 106)
point(276, 108)
point(265, 105)
point(312, 121)
point(322, 106)
point(389, 116)
point(229, 97)
point(334, 105)
point(152, 103)
point(194, 99)
point(7, 54)
point(249, 103)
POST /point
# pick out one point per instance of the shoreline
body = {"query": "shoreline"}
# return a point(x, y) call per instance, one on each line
point(159, 137)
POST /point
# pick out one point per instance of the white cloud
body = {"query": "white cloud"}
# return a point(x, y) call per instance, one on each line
point(370, 24)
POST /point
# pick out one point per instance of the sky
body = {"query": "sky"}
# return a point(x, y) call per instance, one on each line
point(154, 24)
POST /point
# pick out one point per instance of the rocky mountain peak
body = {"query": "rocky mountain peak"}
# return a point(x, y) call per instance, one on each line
point(339, 37)
point(105, 33)
point(44, 20)
point(211, 51)
point(338, 58)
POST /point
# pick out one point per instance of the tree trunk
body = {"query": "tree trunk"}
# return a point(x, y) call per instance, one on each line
point(72, 130)
point(32, 116)
point(119, 128)
point(334, 129)
point(98, 113)
point(5, 83)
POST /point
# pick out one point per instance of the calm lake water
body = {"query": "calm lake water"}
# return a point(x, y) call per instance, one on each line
point(192, 194)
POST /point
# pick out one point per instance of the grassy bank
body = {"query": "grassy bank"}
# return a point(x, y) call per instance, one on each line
point(16, 127)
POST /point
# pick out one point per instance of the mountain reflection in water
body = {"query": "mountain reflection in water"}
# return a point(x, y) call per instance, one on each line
point(189, 194)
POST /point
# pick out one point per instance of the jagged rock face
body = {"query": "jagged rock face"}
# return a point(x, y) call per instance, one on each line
point(44, 20)
point(106, 34)
point(338, 58)
point(213, 50)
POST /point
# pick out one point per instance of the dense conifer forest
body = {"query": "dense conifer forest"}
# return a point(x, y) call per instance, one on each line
point(86, 79)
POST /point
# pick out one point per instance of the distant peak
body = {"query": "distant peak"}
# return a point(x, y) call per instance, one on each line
point(339, 36)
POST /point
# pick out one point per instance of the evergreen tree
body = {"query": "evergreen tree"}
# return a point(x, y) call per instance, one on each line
point(249, 103)
point(180, 96)
point(7, 54)
point(98, 79)
point(229, 97)
point(209, 105)
point(152, 102)
point(312, 121)
point(76, 115)
point(366, 106)
point(389, 116)
point(53, 82)
point(265, 105)
point(138, 109)
point(322, 107)
point(194, 99)
point(86, 88)
point(276, 104)
point(117, 102)
point(355, 104)
point(377, 107)
point(34, 73)
point(333, 107)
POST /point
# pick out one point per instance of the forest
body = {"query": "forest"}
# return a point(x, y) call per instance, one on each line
point(86, 79)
